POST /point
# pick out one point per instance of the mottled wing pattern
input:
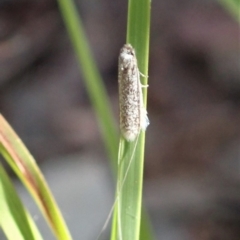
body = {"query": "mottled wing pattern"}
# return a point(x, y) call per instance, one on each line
point(130, 94)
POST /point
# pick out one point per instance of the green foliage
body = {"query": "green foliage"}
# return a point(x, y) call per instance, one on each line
point(233, 6)
point(91, 76)
point(23, 164)
point(14, 219)
point(131, 155)
point(127, 217)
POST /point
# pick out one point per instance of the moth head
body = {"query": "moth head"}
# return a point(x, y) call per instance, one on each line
point(127, 56)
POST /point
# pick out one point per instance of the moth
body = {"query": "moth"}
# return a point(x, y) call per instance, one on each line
point(133, 115)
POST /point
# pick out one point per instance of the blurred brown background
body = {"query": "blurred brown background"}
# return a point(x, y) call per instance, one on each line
point(192, 173)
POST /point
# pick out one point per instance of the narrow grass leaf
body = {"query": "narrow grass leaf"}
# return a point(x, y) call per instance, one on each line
point(14, 219)
point(131, 154)
point(24, 165)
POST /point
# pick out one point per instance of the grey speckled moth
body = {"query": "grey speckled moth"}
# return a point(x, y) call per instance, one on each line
point(133, 115)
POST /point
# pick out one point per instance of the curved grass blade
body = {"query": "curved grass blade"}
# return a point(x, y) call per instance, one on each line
point(23, 164)
point(14, 219)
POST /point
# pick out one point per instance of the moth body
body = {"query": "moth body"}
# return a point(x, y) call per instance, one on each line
point(133, 116)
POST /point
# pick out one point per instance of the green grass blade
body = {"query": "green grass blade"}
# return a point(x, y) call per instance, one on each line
point(23, 164)
point(93, 81)
point(14, 219)
point(233, 6)
point(130, 192)
point(92, 78)
point(131, 155)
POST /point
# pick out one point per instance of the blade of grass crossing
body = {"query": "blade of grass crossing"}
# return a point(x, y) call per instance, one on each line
point(24, 165)
point(14, 219)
